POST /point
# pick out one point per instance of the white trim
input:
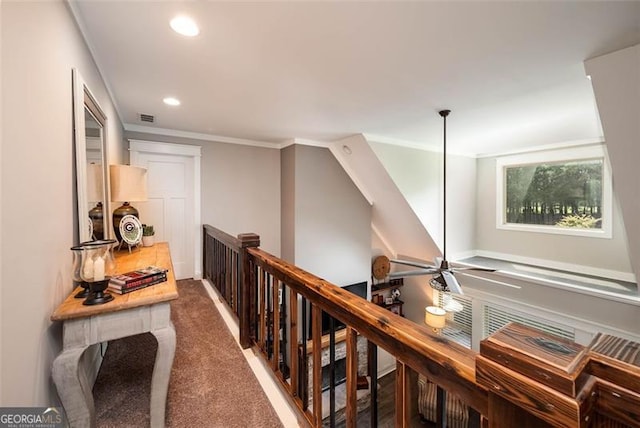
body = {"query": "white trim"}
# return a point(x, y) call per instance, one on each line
point(145, 146)
point(306, 142)
point(552, 264)
point(548, 156)
point(198, 136)
point(197, 221)
point(414, 145)
point(194, 152)
point(74, 8)
point(545, 147)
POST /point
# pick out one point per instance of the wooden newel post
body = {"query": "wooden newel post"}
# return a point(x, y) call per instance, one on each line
point(247, 295)
point(534, 379)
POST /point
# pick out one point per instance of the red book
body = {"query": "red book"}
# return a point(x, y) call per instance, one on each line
point(159, 277)
point(136, 275)
point(137, 287)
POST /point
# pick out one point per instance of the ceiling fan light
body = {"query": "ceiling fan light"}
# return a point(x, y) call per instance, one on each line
point(437, 283)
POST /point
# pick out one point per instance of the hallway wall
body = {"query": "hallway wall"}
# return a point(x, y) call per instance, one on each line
point(40, 46)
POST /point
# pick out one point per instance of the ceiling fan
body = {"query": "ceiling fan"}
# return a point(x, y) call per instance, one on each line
point(443, 275)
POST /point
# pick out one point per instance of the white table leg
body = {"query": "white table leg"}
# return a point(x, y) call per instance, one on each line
point(166, 338)
point(73, 388)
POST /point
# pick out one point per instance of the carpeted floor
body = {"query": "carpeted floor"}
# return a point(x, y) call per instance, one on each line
point(211, 383)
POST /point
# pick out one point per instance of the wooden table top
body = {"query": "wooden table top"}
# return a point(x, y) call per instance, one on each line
point(157, 255)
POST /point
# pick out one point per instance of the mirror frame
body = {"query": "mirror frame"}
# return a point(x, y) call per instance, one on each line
point(83, 100)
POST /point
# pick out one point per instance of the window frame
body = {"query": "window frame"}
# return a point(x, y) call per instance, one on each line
point(571, 154)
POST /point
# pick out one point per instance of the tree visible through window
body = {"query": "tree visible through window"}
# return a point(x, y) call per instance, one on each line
point(567, 194)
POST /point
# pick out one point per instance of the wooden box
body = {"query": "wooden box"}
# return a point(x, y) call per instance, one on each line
point(552, 361)
point(616, 360)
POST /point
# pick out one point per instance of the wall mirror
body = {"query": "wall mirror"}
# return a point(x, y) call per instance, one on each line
point(92, 179)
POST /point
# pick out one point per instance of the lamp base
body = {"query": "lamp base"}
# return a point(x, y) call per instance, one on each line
point(121, 211)
point(97, 294)
point(96, 214)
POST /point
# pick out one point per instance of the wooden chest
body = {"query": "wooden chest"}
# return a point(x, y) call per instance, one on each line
point(540, 373)
point(550, 360)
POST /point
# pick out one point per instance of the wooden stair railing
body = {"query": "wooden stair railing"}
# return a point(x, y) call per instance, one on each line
point(272, 300)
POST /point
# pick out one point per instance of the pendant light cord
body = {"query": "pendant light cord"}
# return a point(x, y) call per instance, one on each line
point(444, 114)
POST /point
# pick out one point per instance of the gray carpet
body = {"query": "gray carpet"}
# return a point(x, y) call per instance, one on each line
point(211, 383)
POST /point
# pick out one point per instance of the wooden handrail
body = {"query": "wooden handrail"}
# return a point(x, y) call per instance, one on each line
point(516, 379)
point(444, 362)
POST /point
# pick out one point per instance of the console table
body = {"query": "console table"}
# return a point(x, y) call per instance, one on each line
point(145, 310)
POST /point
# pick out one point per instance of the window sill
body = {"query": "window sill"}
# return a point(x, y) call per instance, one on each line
point(555, 230)
point(606, 288)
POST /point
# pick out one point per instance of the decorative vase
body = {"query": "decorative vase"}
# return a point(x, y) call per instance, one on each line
point(148, 241)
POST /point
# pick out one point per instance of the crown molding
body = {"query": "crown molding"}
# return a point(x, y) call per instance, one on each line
point(198, 136)
point(414, 145)
point(77, 16)
point(546, 147)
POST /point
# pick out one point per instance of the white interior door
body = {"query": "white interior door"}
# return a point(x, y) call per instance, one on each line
point(171, 207)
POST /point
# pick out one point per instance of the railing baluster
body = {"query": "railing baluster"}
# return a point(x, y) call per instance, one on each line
point(304, 369)
point(332, 372)
point(373, 374)
point(474, 418)
point(275, 362)
point(441, 408)
point(316, 335)
point(263, 312)
point(352, 377)
point(400, 407)
point(293, 341)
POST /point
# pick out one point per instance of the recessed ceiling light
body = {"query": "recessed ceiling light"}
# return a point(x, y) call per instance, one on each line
point(185, 26)
point(170, 101)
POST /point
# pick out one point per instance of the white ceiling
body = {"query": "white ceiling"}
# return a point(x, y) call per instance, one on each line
point(512, 72)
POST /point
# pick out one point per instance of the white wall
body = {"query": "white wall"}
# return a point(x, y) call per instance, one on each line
point(40, 46)
point(332, 219)
point(418, 175)
point(611, 254)
point(240, 187)
point(616, 84)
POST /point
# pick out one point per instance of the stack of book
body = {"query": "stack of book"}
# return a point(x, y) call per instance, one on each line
point(137, 279)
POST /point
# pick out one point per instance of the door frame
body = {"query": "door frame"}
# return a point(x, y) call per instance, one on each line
point(136, 147)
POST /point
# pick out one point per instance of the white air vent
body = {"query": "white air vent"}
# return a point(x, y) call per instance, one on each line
point(147, 118)
point(459, 323)
point(496, 318)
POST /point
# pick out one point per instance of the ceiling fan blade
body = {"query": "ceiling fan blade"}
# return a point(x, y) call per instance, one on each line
point(402, 274)
point(506, 284)
point(452, 282)
point(414, 264)
point(479, 269)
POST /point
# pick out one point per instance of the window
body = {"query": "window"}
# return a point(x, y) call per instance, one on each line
point(562, 191)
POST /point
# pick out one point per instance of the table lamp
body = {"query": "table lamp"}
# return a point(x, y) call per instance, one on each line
point(128, 184)
point(435, 318)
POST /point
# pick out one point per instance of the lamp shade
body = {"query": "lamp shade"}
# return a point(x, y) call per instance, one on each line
point(434, 316)
point(95, 187)
point(128, 183)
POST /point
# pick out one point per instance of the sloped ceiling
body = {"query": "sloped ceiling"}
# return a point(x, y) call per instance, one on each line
point(271, 71)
